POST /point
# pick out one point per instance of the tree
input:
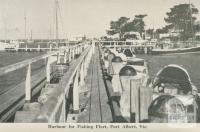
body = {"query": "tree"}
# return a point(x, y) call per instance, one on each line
point(182, 20)
point(117, 26)
point(139, 23)
point(123, 25)
point(150, 32)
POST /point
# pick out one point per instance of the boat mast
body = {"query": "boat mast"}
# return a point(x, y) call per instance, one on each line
point(31, 34)
point(5, 30)
point(24, 25)
point(56, 15)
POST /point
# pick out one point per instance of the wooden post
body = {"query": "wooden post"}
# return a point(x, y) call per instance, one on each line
point(69, 55)
point(26, 48)
point(39, 47)
point(82, 74)
point(50, 47)
point(135, 99)
point(145, 50)
point(86, 64)
point(58, 58)
point(76, 92)
point(93, 47)
point(73, 53)
point(65, 57)
point(146, 97)
point(125, 96)
point(28, 84)
point(116, 67)
point(77, 50)
point(48, 69)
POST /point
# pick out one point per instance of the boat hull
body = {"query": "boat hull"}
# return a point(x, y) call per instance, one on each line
point(171, 51)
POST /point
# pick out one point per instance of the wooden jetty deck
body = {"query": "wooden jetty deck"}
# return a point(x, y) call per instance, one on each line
point(83, 94)
point(95, 89)
point(97, 110)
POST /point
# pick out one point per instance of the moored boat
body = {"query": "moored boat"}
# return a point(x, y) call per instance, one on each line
point(176, 50)
point(175, 98)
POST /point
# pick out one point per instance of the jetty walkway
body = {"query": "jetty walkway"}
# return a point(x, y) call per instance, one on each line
point(84, 83)
point(78, 95)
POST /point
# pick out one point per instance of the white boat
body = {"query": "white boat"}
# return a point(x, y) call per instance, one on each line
point(12, 45)
point(174, 97)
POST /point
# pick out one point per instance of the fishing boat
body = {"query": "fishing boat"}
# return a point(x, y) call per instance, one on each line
point(12, 45)
point(170, 50)
point(175, 98)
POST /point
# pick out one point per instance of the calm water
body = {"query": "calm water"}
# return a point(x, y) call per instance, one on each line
point(190, 62)
point(11, 79)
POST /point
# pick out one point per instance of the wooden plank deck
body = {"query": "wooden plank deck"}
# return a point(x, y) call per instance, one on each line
point(98, 109)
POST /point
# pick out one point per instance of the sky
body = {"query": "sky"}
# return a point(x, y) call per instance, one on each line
point(77, 17)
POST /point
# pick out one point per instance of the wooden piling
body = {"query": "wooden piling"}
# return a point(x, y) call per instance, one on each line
point(48, 69)
point(28, 84)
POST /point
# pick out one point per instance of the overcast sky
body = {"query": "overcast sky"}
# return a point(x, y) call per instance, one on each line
point(89, 17)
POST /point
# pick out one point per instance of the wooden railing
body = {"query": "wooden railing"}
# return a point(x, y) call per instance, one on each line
point(54, 110)
point(68, 54)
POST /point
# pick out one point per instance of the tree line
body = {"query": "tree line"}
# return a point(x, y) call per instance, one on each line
point(180, 19)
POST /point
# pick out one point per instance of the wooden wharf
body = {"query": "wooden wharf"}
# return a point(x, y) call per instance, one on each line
point(78, 84)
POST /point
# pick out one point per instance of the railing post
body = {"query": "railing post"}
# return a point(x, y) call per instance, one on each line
point(82, 74)
point(26, 49)
point(48, 69)
point(76, 92)
point(50, 47)
point(78, 49)
point(65, 57)
point(93, 47)
point(73, 53)
point(39, 47)
point(58, 58)
point(28, 84)
point(69, 55)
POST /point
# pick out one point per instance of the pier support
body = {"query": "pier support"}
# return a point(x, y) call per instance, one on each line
point(145, 50)
point(73, 54)
point(50, 47)
point(48, 70)
point(26, 49)
point(69, 55)
point(39, 47)
point(58, 58)
point(28, 84)
point(65, 57)
point(76, 92)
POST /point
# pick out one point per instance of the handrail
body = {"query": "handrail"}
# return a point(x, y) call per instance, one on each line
point(24, 63)
point(69, 53)
point(57, 100)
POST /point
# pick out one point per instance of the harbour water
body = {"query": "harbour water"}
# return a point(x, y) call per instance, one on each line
point(11, 79)
point(190, 61)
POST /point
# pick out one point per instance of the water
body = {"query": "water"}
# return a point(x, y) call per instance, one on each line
point(11, 79)
point(189, 61)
